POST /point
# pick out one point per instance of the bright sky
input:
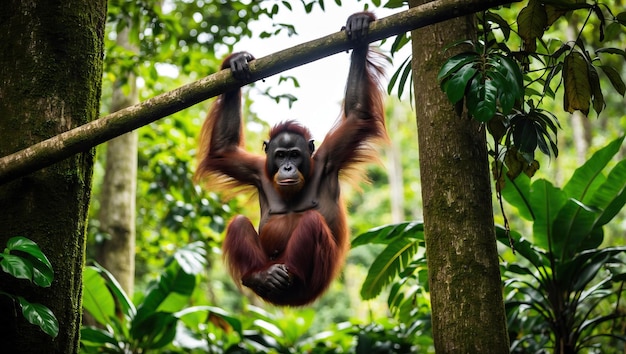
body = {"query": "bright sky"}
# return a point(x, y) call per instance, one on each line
point(322, 82)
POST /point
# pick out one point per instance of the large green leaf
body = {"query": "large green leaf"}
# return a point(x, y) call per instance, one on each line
point(192, 258)
point(610, 196)
point(169, 293)
point(523, 247)
point(452, 65)
point(482, 98)
point(582, 181)
point(25, 245)
point(388, 233)
point(387, 264)
point(594, 200)
point(455, 86)
point(122, 300)
point(97, 298)
point(98, 338)
point(17, 266)
point(30, 263)
point(574, 223)
point(546, 201)
point(232, 321)
point(517, 193)
point(41, 316)
point(155, 330)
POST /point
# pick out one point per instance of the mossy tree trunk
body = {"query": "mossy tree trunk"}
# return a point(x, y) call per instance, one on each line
point(466, 291)
point(51, 74)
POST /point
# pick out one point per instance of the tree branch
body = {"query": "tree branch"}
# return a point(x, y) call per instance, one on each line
point(84, 137)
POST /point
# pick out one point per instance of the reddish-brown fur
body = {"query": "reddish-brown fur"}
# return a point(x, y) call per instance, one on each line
point(304, 236)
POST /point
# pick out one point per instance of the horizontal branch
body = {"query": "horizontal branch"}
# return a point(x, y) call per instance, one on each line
point(84, 137)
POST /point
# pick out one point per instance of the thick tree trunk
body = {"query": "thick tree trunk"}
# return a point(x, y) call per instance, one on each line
point(51, 73)
point(466, 292)
point(117, 199)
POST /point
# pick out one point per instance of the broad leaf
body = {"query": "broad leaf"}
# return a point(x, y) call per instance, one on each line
point(25, 245)
point(41, 316)
point(531, 23)
point(17, 266)
point(96, 337)
point(233, 322)
point(577, 93)
point(119, 295)
point(546, 201)
point(610, 197)
point(452, 65)
point(97, 299)
point(387, 264)
point(192, 258)
point(614, 78)
point(455, 86)
point(388, 233)
point(582, 181)
point(482, 99)
point(42, 273)
point(517, 193)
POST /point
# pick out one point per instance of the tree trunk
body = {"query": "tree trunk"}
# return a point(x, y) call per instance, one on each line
point(466, 291)
point(51, 70)
point(117, 199)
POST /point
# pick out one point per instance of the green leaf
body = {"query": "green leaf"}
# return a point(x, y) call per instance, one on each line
point(452, 65)
point(610, 196)
point(96, 337)
point(522, 246)
point(594, 201)
point(517, 193)
point(386, 234)
point(389, 262)
point(512, 72)
point(582, 179)
point(233, 321)
point(524, 134)
point(25, 245)
point(455, 86)
point(546, 201)
point(531, 23)
point(192, 258)
point(482, 99)
point(43, 275)
point(577, 93)
point(503, 25)
point(41, 316)
point(155, 330)
point(596, 91)
point(97, 299)
point(614, 78)
point(17, 266)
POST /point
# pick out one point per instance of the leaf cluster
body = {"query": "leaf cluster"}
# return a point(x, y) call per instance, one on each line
point(566, 288)
point(400, 265)
point(23, 259)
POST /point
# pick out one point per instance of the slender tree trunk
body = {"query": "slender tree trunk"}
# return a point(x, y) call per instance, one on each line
point(51, 74)
point(396, 181)
point(117, 199)
point(466, 292)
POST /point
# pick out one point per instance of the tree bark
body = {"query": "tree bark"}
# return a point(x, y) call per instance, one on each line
point(51, 70)
point(117, 198)
point(465, 286)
